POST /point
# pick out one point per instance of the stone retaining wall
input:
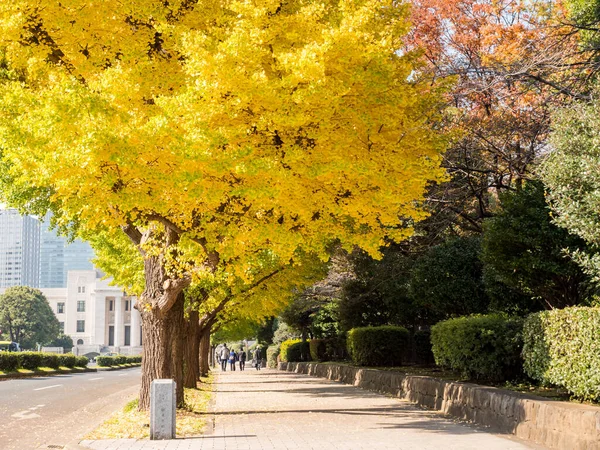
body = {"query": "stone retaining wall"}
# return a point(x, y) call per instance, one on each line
point(553, 424)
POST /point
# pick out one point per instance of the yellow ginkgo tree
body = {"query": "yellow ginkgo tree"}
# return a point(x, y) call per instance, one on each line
point(208, 131)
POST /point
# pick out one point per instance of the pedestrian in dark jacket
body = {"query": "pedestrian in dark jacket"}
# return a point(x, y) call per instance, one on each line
point(242, 358)
point(258, 358)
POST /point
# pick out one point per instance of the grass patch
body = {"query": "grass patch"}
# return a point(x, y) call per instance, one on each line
point(45, 369)
point(133, 424)
point(25, 371)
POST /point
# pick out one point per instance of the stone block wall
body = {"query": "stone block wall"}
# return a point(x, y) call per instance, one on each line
point(553, 424)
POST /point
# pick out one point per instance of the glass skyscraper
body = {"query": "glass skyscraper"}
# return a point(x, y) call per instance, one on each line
point(57, 257)
point(19, 249)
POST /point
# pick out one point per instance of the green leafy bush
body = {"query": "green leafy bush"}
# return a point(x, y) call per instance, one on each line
point(329, 349)
point(30, 360)
point(422, 347)
point(136, 359)
point(105, 361)
point(300, 351)
point(480, 346)
point(119, 360)
point(81, 361)
point(9, 361)
point(318, 350)
point(49, 360)
point(562, 347)
point(283, 349)
point(377, 346)
point(67, 360)
point(272, 353)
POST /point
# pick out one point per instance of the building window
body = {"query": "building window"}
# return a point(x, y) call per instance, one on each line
point(61, 325)
point(127, 335)
point(79, 341)
point(111, 305)
point(81, 306)
point(60, 308)
point(81, 326)
point(126, 305)
point(81, 289)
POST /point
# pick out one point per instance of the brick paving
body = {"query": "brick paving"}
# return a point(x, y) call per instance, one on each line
point(272, 410)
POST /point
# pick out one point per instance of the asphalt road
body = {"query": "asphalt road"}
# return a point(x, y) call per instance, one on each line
point(49, 412)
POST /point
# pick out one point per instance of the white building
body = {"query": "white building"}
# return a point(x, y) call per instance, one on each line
point(19, 249)
point(99, 318)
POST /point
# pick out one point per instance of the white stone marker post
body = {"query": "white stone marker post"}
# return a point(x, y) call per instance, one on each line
point(162, 409)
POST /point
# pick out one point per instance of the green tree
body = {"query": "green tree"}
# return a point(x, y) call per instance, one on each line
point(523, 249)
point(571, 174)
point(26, 317)
point(378, 294)
point(64, 341)
point(447, 281)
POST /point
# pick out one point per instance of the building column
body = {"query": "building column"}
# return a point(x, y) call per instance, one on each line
point(135, 326)
point(119, 325)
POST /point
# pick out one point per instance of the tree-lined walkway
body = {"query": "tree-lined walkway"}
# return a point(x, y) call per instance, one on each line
point(270, 410)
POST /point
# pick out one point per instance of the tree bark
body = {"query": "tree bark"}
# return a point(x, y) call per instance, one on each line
point(161, 307)
point(205, 352)
point(192, 345)
point(162, 350)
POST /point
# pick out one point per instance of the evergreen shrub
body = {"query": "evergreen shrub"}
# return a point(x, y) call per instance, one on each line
point(328, 349)
point(378, 346)
point(283, 349)
point(81, 361)
point(272, 354)
point(105, 361)
point(480, 346)
point(294, 350)
point(9, 361)
point(49, 360)
point(422, 347)
point(562, 347)
point(30, 360)
point(67, 360)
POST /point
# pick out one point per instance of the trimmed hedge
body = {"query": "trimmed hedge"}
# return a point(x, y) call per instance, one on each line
point(422, 347)
point(300, 351)
point(378, 346)
point(11, 361)
point(29, 360)
point(330, 349)
point(283, 349)
point(272, 354)
point(480, 346)
point(117, 360)
point(8, 361)
point(67, 360)
point(562, 347)
point(49, 360)
point(81, 361)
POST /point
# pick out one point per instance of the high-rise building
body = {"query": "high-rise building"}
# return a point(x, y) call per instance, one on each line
point(19, 249)
point(58, 257)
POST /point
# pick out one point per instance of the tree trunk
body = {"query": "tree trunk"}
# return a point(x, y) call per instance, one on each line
point(162, 350)
point(192, 345)
point(204, 352)
point(177, 337)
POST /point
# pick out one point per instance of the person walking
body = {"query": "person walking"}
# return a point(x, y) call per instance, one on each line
point(242, 358)
point(224, 356)
point(232, 359)
point(258, 358)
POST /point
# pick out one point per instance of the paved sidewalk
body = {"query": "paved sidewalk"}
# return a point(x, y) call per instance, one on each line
point(270, 410)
